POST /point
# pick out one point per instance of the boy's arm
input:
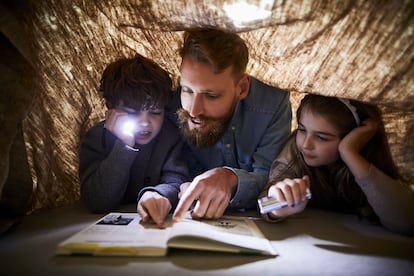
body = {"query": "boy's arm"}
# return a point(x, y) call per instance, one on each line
point(174, 173)
point(103, 170)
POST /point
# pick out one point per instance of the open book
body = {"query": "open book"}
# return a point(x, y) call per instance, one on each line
point(123, 234)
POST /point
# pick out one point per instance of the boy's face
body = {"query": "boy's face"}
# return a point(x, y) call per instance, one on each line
point(144, 124)
point(208, 100)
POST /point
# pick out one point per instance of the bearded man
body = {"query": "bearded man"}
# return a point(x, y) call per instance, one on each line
point(234, 125)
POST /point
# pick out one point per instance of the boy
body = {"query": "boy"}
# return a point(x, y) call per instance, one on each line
point(135, 151)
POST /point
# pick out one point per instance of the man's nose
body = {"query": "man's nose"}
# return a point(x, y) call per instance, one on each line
point(197, 105)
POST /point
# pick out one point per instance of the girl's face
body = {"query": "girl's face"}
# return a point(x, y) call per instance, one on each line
point(317, 139)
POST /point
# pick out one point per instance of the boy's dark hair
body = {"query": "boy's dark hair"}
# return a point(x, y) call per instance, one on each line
point(217, 47)
point(137, 83)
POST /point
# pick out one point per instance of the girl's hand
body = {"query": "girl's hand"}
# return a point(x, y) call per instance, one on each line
point(293, 191)
point(357, 138)
point(351, 145)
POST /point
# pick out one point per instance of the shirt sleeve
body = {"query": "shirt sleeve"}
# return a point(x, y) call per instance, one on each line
point(251, 183)
point(392, 200)
point(174, 173)
point(103, 171)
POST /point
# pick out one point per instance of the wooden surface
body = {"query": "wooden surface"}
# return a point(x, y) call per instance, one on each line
point(314, 243)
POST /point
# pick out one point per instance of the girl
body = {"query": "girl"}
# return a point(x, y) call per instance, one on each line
point(340, 153)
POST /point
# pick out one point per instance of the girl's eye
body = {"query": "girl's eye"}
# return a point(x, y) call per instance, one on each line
point(322, 138)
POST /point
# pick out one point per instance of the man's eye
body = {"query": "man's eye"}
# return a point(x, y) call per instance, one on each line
point(211, 96)
point(300, 129)
point(186, 90)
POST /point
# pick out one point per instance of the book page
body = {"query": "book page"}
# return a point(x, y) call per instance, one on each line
point(235, 225)
point(118, 234)
point(230, 234)
point(123, 234)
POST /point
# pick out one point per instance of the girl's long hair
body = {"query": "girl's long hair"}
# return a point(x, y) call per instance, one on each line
point(334, 186)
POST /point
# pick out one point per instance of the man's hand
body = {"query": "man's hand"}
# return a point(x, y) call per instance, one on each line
point(153, 207)
point(210, 191)
point(183, 188)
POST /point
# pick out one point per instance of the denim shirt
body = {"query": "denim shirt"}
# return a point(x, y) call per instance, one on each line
point(257, 132)
point(259, 129)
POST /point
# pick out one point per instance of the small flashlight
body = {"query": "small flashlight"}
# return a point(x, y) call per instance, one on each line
point(269, 204)
point(128, 127)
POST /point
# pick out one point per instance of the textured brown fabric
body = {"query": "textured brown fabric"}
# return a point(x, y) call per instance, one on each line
point(356, 49)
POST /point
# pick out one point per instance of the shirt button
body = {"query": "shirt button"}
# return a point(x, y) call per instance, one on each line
point(228, 146)
point(233, 128)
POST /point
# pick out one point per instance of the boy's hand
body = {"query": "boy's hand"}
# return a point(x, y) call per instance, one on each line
point(115, 120)
point(153, 207)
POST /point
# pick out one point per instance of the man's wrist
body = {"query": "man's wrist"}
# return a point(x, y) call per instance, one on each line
point(234, 187)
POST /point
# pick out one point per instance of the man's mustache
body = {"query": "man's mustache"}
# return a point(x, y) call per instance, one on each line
point(184, 115)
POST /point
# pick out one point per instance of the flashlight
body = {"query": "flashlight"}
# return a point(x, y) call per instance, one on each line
point(269, 204)
point(129, 127)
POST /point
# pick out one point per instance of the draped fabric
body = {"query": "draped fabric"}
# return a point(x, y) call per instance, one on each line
point(356, 49)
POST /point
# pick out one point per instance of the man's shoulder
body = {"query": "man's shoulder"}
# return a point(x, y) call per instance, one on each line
point(170, 131)
point(259, 87)
point(266, 96)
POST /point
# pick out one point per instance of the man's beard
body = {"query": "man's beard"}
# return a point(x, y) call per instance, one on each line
point(198, 138)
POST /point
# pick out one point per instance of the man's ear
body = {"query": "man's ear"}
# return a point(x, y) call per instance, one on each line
point(244, 84)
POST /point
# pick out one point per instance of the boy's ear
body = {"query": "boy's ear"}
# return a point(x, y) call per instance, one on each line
point(108, 104)
point(244, 84)
point(111, 105)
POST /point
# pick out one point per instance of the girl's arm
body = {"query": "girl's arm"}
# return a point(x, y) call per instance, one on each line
point(392, 200)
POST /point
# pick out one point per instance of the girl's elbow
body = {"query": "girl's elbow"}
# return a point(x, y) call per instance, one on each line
point(406, 228)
